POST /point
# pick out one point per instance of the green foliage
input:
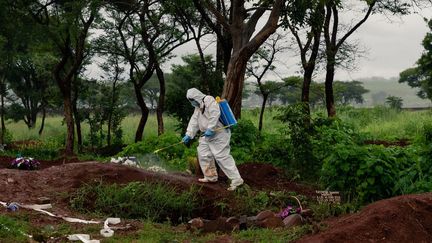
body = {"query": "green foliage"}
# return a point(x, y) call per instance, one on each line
point(418, 177)
point(245, 138)
point(40, 150)
point(250, 202)
point(300, 132)
point(349, 92)
point(364, 172)
point(12, 230)
point(394, 102)
point(421, 75)
point(328, 133)
point(137, 200)
point(324, 211)
point(102, 113)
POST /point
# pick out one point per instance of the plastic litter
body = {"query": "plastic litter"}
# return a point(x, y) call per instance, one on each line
point(85, 238)
point(12, 207)
point(129, 160)
point(107, 231)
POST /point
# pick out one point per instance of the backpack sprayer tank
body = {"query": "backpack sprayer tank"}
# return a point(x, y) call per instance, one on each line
point(227, 116)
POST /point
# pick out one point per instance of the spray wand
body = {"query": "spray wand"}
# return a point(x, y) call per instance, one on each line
point(202, 135)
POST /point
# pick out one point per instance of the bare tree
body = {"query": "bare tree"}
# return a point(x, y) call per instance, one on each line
point(258, 66)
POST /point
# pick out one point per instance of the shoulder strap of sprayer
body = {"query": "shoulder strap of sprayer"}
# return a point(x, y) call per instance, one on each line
point(202, 112)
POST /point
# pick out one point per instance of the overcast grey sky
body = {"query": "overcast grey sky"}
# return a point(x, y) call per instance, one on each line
point(392, 46)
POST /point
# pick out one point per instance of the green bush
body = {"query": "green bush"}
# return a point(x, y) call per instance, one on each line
point(418, 177)
point(41, 150)
point(364, 172)
point(136, 200)
point(329, 132)
point(275, 149)
point(244, 137)
point(300, 130)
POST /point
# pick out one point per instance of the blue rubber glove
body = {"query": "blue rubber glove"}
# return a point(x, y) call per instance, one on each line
point(186, 139)
point(209, 133)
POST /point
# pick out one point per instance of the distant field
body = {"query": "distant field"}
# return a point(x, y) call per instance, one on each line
point(381, 88)
point(380, 123)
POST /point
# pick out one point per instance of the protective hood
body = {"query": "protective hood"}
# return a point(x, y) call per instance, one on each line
point(195, 94)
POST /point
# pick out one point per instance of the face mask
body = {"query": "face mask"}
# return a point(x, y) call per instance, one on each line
point(195, 103)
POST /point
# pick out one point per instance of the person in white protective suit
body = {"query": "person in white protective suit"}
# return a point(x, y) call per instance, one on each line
point(215, 144)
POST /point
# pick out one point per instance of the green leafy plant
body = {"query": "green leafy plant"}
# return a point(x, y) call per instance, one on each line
point(152, 201)
point(364, 172)
point(12, 230)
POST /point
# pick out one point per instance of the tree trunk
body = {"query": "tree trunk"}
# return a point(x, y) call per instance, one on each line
point(260, 124)
point(233, 87)
point(144, 113)
point(161, 102)
point(43, 120)
point(68, 113)
point(77, 118)
point(307, 80)
point(330, 105)
point(3, 126)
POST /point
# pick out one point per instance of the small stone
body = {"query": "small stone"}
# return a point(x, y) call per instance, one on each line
point(264, 214)
point(293, 220)
point(10, 180)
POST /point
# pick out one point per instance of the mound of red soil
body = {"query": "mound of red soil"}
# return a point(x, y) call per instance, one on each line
point(26, 186)
point(58, 179)
point(399, 219)
point(398, 143)
point(266, 176)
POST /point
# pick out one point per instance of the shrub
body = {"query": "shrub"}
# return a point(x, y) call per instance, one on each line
point(328, 133)
point(245, 138)
point(300, 131)
point(418, 177)
point(136, 200)
point(275, 149)
point(364, 172)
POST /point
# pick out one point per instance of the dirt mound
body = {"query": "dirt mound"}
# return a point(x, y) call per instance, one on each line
point(266, 176)
point(58, 179)
point(399, 219)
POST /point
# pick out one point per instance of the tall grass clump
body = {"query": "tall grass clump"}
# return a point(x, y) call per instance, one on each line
point(418, 177)
point(12, 230)
point(137, 200)
point(385, 123)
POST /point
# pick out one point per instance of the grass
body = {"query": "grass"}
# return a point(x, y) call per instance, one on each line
point(380, 123)
point(165, 233)
point(387, 124)
point(137, 200)
point(55, 128)
point(13, 230)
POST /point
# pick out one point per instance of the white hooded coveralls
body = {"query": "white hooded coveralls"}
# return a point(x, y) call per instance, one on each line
point(206, 116)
